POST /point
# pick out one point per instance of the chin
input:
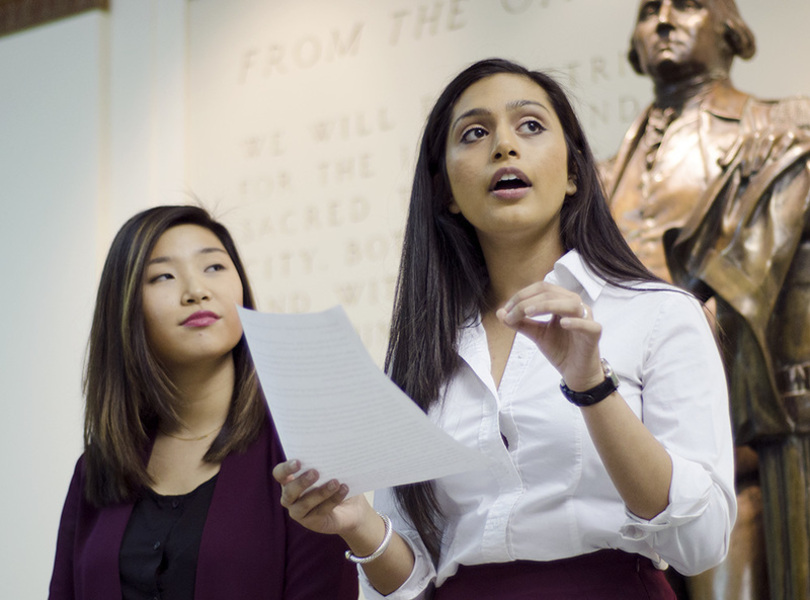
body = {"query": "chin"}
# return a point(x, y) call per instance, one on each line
point(672, 71)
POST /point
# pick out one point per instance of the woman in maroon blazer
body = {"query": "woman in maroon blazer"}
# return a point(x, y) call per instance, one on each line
point(173, 497)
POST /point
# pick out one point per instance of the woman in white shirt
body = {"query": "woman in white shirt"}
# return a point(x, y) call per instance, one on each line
point(513, 275)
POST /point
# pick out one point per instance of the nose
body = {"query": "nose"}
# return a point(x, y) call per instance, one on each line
point(195, 292)
point(665, 13)
point(504, 146)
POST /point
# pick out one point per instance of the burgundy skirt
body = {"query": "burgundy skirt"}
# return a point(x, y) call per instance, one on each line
point(602, 575)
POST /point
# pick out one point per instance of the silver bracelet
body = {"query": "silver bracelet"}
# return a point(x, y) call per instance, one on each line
point(361, 560)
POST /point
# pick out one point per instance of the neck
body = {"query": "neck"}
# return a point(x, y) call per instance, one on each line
point(678, 94)
point(513, 265)
point(203, 397)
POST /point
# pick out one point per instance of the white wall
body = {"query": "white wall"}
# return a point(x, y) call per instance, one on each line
point(103, 114)
point(91, 131)
point(50, 152)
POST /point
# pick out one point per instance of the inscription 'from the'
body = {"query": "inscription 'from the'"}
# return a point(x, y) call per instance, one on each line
point(304, 53)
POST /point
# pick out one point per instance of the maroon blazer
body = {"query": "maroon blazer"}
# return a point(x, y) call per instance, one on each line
point(250, 548)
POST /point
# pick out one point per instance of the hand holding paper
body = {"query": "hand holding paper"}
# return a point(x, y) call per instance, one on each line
point(334, 409)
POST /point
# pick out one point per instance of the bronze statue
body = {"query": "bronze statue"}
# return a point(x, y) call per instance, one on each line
point(711, 187)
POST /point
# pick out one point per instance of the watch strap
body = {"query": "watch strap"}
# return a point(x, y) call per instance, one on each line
point(595, 394)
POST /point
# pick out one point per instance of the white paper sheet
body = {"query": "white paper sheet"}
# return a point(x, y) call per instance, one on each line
point(337, 412)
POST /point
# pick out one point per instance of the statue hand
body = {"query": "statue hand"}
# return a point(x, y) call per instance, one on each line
point(757, 148)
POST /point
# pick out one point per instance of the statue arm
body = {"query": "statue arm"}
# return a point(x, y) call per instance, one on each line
point(769, 129)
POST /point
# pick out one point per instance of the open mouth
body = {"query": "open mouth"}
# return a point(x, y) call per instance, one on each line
point(510, 181)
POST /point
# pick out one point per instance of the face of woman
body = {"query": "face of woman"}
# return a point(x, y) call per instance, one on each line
point(190, 291)
point(507, 160)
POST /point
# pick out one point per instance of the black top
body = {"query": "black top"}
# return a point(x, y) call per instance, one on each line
point(158, 557)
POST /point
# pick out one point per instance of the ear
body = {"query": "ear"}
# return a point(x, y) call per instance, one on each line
point(453, 207)
point(571, 186)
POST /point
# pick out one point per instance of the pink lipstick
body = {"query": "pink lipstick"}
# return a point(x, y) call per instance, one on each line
point(201, 318)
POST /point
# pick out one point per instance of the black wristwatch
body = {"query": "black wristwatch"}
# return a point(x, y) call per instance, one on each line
point(595, 394)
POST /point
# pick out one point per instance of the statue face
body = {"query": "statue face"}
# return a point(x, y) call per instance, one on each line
point(680, 39)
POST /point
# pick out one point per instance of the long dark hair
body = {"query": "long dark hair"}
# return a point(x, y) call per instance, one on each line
point(443, 278)
point(127, 391)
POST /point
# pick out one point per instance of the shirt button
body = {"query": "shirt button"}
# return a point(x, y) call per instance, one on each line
point(156, 546)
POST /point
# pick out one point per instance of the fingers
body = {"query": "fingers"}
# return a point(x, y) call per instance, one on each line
point(541, 303)
point(318, 500)
point(731, 154)
point(757, 151)
point(759, 148)
point(296, 494)
point(586, 312)
point(294, 488)
point(284, 472)
point(783, 143)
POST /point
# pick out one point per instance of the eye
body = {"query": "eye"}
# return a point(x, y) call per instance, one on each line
point(215, 267)
point(472, 134)
point(649, 9)
point(531, 126)
point(161, 277)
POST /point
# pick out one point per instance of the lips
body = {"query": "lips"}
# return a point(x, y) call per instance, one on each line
point(666, 42)
point(201, 318)
point(509, 183)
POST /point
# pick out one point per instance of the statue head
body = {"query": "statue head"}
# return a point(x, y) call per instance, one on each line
point(679, 39)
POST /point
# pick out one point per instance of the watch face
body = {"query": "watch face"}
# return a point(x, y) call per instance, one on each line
point(610, 373)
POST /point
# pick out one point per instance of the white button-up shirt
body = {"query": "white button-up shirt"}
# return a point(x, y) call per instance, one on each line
point(546, 494)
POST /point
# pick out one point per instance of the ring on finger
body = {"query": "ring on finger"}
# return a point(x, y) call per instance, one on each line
point(584, 310)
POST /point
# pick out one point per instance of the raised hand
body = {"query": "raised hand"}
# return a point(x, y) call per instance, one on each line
point(562, 326)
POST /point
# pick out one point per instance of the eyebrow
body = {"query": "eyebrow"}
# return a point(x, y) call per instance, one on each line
point(514, 104)
point(166, 259)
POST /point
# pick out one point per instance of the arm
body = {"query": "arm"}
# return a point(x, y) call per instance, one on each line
point(637, 463)
point(684, 408)
point(685, 405)
point(326, 509)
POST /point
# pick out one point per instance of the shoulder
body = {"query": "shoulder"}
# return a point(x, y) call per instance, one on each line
point(76, 488)
point(669, 301)
point(649, 309)
point(791, 112)
point(652, 292)
point(731, 104)
point(678, 323)
point(80, 466)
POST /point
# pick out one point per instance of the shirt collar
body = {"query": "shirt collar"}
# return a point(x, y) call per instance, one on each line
point(573, 274)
